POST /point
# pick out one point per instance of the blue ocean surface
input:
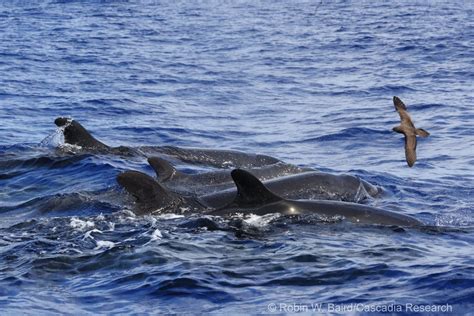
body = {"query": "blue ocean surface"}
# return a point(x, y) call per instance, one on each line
point(308, 82)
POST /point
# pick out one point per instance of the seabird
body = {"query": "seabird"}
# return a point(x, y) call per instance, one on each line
point(408, 129)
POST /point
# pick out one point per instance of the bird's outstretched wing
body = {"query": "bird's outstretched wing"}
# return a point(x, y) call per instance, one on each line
point(402, 111)
point(410, 149)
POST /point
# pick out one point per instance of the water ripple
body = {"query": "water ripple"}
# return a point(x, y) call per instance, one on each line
point(310, 83)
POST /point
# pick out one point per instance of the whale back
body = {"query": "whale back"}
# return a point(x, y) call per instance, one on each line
point(254, 197)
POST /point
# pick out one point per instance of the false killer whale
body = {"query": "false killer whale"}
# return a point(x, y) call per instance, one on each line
point(217, 188)
point(213, 181)
point(152, 197)
point(408, 129)
point(254, 197)
point(76, 134)
point(308, 185)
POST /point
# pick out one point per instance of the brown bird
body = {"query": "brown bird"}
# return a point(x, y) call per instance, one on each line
point(408, 129)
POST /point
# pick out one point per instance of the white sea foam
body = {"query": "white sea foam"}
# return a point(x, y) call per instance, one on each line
point(70, 148)
point(260, 221)
point(80, 224)
point(104, 244)
point(111, 226)
point(184, 209)
point(156, 235)
point(169, 216)
point(361, 193)
point(126, 216)
point(88, 233)
point(53, 140)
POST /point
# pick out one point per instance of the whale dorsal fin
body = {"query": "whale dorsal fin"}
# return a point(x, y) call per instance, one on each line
point(148, 193)
point(250, 190)
point(76, 134)
point(164, 169)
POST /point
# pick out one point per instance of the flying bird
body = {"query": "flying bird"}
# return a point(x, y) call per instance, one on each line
point(408, 129)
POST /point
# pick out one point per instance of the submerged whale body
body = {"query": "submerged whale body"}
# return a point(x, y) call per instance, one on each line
point(213, 181)
point(408, 129)
point(76, 134)
point(217, 188)
point(253, 197)
point(308, 185)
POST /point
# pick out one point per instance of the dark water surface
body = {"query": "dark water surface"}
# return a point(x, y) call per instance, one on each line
point(310, 83)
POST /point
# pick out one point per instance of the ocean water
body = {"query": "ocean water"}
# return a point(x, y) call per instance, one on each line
point(308, 82)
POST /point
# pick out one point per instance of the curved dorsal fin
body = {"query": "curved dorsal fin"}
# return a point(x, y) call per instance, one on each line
point(76, 134)
point(164, 169)
point(148, 193)
point(250, 190)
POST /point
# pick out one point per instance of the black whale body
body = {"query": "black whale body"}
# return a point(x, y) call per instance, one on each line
point(309, 185)
point(76, 134)
point(253, 197)
point(213, 181)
